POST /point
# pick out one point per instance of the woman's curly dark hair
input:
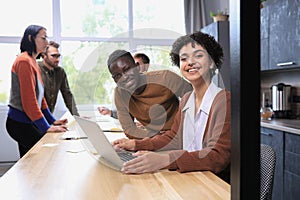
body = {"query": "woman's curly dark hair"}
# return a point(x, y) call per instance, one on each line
point(207, 41)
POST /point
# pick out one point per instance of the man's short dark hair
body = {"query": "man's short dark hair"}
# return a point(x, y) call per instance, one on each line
point(53, 44)
point(118, 54)
point(142, 56)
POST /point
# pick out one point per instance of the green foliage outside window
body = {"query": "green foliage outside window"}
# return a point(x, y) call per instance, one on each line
point(92, 83)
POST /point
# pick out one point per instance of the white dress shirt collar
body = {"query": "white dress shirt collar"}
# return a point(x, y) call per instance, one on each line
point(194, 125)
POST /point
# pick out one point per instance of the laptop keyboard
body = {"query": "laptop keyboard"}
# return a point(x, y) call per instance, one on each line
point(125, 155)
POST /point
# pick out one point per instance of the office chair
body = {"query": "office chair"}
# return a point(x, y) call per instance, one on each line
point(267, 170)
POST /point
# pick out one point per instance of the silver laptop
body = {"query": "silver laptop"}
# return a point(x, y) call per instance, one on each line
point(102, 145)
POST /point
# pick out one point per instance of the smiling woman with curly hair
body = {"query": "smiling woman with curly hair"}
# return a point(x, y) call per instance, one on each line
point(200, 135)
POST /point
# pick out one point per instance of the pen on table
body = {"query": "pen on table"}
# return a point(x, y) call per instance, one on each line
point(75, 138)
point(117, 131)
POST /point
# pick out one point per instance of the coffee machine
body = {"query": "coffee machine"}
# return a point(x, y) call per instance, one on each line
point(281, 100)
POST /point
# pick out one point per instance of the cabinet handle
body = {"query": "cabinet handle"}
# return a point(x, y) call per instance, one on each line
point(285, 64)
point(267, 134)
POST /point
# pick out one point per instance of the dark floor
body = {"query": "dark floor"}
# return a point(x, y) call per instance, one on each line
point(4, 167)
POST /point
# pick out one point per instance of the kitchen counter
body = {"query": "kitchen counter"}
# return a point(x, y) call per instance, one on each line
point(287, 125)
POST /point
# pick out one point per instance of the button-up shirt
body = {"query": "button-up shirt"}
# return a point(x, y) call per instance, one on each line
point(55, 80)
point(194, 125)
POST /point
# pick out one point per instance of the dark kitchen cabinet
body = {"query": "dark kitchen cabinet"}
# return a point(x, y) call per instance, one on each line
point(264, 39)
point(275, 139)
point(280, 35)
point(291, 166)
point(287, 170)
point(220, 31)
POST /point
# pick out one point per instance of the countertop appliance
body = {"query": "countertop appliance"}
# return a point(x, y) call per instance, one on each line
point(281, 100)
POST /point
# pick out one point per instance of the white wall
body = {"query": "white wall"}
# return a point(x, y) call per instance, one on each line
point(8, 147)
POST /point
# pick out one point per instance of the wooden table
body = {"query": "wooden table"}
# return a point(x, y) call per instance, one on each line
point(62, 169)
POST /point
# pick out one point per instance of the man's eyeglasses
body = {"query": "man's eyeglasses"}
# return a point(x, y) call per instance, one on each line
point(55, 55)
point(117, 76)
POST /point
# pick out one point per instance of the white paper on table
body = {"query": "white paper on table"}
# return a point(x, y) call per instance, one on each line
point(112, 136)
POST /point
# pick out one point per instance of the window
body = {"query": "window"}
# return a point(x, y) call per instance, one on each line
point(16, 15)
point(94, 18)
point(153, 16)
point(85, 65)
point(8, 53)
point(88, 31)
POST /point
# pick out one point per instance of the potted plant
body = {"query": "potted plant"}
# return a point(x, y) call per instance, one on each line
point(261, 3)
point(220, 15)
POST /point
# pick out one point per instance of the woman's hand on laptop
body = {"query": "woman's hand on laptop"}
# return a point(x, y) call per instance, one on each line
point(146, 161)
point(124, 143)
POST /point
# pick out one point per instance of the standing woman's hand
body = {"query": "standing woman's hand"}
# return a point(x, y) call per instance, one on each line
point(60, 122)
point(57, 128)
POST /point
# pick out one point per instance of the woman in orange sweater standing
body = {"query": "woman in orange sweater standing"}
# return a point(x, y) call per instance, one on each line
point(28, 116)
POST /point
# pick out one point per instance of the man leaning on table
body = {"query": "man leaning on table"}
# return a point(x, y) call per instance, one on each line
point(143, 61)
point(151, 98)
point(55, 79)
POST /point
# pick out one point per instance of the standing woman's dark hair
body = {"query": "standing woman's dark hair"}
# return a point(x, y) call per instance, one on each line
point(27, 42)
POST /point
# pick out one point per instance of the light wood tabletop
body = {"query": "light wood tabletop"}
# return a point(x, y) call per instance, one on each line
point(65, 169)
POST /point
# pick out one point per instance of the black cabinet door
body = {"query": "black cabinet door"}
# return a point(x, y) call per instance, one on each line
point(291, 166)
point(275, 139)
point(280, 20)
point(264, 39)
point(291, 186)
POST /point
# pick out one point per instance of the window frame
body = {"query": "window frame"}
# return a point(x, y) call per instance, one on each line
point(56, 35)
